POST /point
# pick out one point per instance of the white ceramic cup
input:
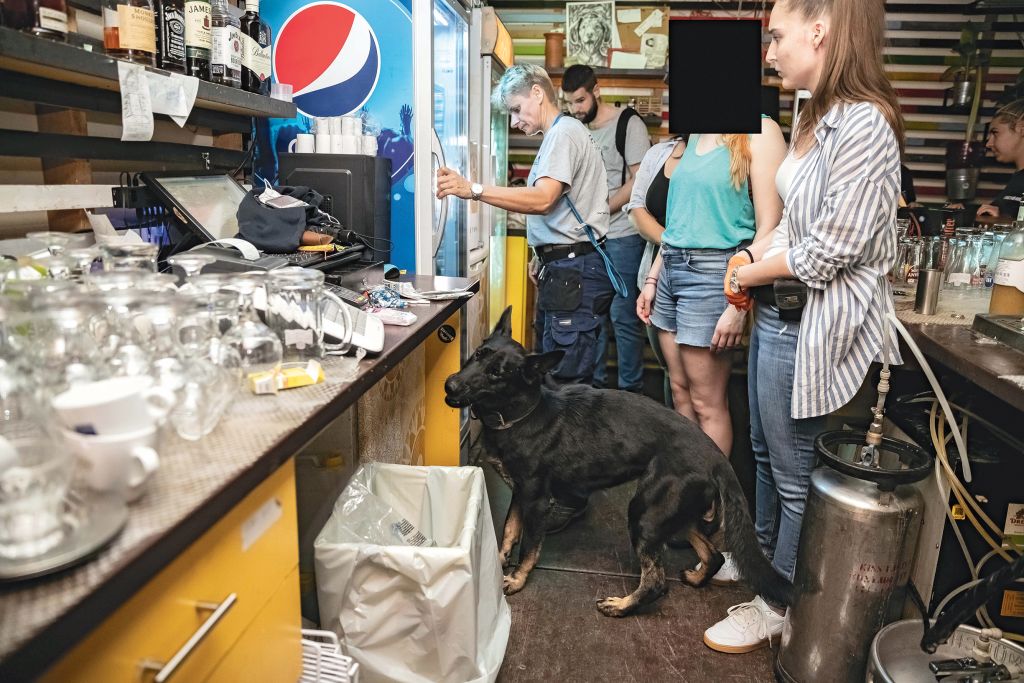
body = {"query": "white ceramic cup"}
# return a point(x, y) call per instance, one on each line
point(369, 145)
point(113, 406)
point(351, 125)
point(337, 144)
point(302, 144)
point(334, 125)
point(323, 143)
point(121, 464)
point(351, 144)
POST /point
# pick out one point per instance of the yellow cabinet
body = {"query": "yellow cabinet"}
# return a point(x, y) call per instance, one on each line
point(200, 605)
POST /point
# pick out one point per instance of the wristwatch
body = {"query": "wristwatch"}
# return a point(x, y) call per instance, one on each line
point(734, 281)
point(477, 189)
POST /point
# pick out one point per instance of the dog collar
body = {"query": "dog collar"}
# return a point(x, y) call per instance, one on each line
point(495, 420)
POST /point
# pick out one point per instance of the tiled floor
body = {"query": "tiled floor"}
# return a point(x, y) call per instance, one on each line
point(558, 634)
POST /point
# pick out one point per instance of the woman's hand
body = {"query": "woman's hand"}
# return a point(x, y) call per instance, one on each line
point(645, 302)
point(987, 210)
point(451, 183)
point(729, 330)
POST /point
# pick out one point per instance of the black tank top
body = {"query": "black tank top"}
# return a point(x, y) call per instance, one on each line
point(657, 196)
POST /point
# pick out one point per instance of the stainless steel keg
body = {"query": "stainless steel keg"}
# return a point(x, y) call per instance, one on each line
point(860, 528)
point(896, 655)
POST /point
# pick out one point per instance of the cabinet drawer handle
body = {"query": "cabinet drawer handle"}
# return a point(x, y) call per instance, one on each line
point(165, 671)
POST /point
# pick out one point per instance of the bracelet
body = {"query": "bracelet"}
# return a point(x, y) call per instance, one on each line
point(651, 281)
point(749, 255)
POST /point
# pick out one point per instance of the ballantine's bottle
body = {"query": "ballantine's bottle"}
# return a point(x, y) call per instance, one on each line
point(255, 50)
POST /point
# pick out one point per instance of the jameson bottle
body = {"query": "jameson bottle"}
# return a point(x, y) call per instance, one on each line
point(198, 38)
point(226, 51)
point(129, 30)
point(255, 50)
point(170, 35)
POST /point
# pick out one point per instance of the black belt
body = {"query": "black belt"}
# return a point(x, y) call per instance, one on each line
point(554, 252)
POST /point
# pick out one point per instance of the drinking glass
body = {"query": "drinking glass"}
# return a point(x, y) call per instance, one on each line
point(129, 256)
point(57, 242)
point(35, 473)
point(191, 264)
point(902, 228)
point(295, 300)
point(256, 344)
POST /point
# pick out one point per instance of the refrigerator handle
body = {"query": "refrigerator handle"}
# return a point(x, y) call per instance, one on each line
point(437, 161)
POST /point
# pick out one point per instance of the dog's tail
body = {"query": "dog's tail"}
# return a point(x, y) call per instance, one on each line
point(755, 569)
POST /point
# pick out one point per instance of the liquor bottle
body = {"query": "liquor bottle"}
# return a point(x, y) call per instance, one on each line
point(1008, 281)
point(226, 52)
point(46, 18)
point(170, 35)
point(198, 38)
point(255, 50)
point(129, 30)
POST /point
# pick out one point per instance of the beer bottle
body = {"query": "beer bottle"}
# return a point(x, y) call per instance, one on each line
point(49, 19)
point(226, 50)
point(255, 50)
point(170, 35)
point(129, 30)
point(198, 38)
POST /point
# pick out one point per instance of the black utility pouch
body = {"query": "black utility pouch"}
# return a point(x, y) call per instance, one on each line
point(560, 289)
point(790, 298)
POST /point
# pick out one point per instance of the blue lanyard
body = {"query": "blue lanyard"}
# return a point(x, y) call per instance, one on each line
point(617, 282)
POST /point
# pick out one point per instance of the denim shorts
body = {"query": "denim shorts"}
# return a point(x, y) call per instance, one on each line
point(689, 299)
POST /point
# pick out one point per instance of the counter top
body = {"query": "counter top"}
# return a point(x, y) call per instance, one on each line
point(197, 484)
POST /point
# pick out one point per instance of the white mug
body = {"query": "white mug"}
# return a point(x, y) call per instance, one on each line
point(334, 125)
point(120, 464)
point(323, 143)
point(351, 125)
point(370, 145)
point(337, 144)
point(113, 406)
point(350, 144)
point(302, 144)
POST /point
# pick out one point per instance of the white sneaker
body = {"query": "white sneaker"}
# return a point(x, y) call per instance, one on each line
point(749, 626)
point(727, 575)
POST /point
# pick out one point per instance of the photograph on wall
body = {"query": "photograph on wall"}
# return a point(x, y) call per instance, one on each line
point(590, 30)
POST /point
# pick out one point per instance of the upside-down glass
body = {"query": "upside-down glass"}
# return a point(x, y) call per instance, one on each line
point(256, 344)
point(129, 256)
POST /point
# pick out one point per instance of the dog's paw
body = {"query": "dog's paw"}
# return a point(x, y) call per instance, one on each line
point(694, 577)
point(503, 558)
point(512, 584)
point(613, 607)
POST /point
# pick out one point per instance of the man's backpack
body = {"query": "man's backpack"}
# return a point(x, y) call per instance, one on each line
point(620, 138)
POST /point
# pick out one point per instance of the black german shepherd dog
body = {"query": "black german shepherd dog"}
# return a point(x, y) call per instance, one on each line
point(568, 441)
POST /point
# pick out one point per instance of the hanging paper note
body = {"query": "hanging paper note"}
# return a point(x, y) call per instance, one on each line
point(136, 106)
point(628, 16)
point(653, 20)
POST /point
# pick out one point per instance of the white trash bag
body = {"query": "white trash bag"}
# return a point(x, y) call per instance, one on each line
point(407, 575)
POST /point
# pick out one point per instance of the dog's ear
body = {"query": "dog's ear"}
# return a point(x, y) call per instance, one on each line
point(504, 326)
point(540, 364)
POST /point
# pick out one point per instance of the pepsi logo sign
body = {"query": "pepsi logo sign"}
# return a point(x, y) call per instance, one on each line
point(329, 54)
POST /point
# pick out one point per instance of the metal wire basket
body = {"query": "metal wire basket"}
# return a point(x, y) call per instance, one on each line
point(322, 661)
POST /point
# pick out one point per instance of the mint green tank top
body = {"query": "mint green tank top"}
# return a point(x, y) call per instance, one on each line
point(705, 210)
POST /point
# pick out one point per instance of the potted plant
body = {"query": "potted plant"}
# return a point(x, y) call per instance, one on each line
point(964, 159)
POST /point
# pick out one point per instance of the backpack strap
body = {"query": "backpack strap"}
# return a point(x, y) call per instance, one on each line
point(620, 138)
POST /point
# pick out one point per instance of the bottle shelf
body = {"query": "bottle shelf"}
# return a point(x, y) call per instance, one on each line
point(47, 59)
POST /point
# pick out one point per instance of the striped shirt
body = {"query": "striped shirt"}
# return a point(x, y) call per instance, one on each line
point(840, 218)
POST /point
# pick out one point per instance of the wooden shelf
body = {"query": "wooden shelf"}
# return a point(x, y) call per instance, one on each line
point(605, 72)
point(53, 61)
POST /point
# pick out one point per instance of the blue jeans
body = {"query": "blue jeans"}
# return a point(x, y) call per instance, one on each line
point(783, 446)
point(625, 254)
point(575, 331)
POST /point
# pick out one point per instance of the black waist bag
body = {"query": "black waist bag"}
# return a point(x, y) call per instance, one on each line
point(560, 289)
point(790, 298)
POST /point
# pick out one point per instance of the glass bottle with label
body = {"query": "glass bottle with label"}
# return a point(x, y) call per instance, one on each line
point(49, 19)
point(129, 30)
point(226, 51)
point(170, 35)
point(255, 50)
point(1008, 281)
point(198, 38)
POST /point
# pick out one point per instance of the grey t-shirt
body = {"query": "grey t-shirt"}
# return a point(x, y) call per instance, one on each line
point(569, 155)
point(637, 144)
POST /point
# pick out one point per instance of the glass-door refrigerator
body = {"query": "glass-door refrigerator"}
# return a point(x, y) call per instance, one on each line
point(441, 125)
point(492, 53)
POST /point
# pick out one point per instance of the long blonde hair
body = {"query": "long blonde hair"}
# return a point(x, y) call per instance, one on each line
point(853, 69)
point(739, 157)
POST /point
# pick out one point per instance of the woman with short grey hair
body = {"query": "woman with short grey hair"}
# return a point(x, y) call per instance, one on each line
point(566, 193)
